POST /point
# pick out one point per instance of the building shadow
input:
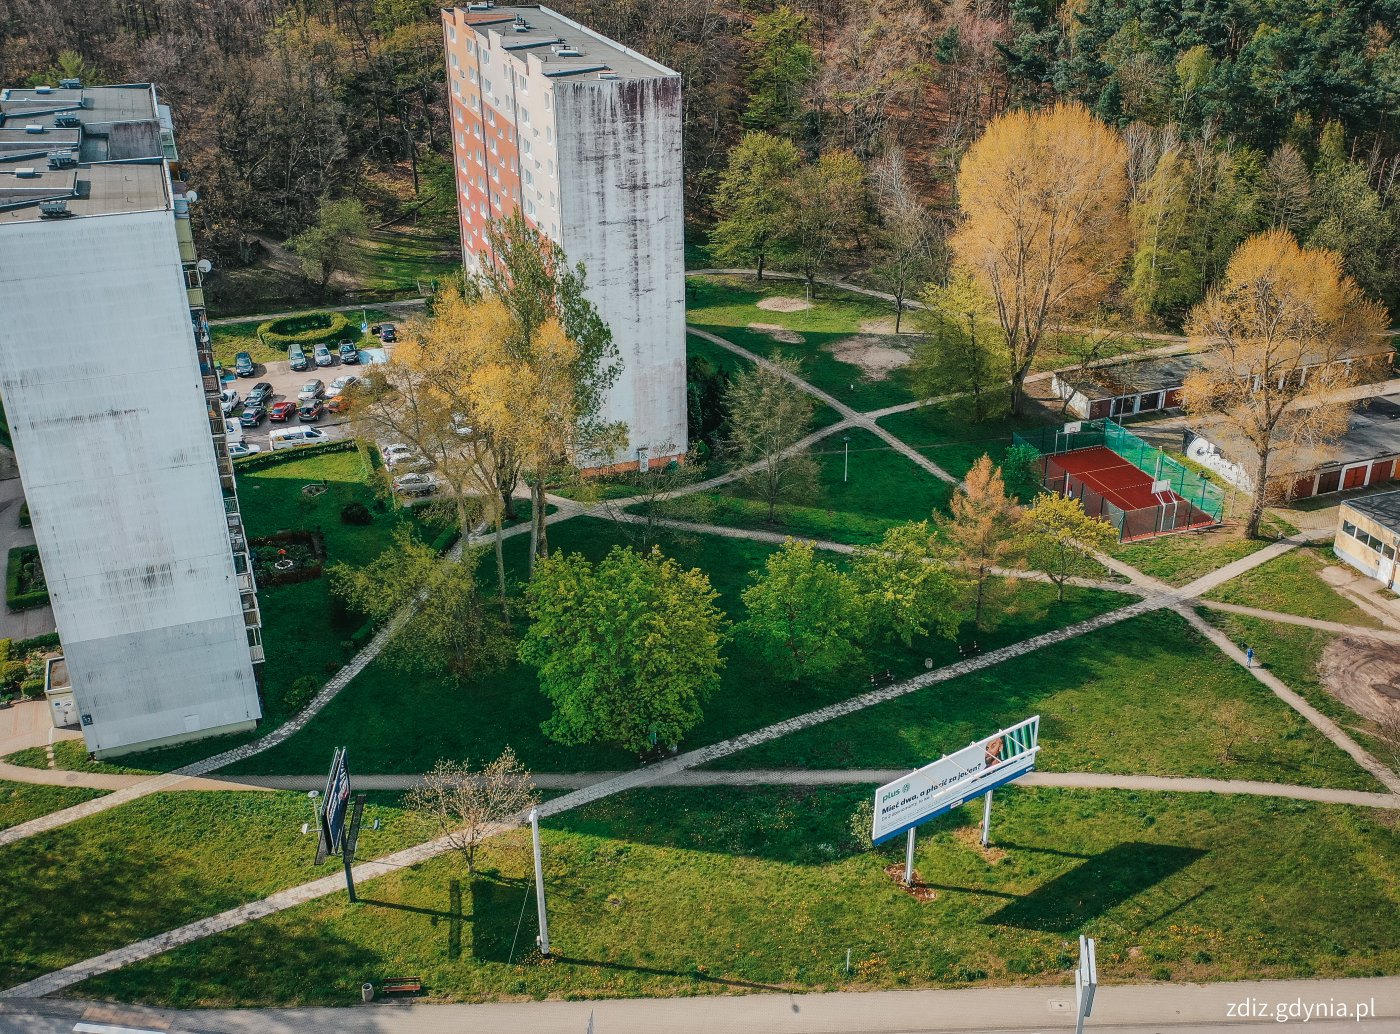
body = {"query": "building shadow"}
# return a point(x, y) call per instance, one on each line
point(1097, 885)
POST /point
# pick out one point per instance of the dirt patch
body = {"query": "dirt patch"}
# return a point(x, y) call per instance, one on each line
point(918, 890)
point(971, 837)
point(777, 333)
point(779, 304)
point(874, 355)
point(1364, 674)
point(884, 325)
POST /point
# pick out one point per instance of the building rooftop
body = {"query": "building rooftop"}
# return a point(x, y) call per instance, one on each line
point(1132, 376)
point(563, 46)
point(113, 123)
point(1383, 508)
point(86, 190)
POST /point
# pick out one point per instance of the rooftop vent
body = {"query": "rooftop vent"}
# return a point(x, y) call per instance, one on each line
point(34, 127)
point(43, 89)
point(481, 7)
point(565, 49)
point(67, 121)
point(54, 210)
point(521, 25)
point(70, 84)
point(62, 159)
point(607, 73)
point(28, 172)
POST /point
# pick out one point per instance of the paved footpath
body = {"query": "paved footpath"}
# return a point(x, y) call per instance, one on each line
point(1118, 1009)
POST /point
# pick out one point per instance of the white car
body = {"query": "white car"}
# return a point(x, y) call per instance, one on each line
point(340, 384)
point(236, 449)
point(416, 484)
point(229, 399)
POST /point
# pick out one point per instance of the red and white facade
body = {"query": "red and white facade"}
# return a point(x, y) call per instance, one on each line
point(583, 137)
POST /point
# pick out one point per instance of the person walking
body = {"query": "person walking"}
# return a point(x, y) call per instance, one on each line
point(1249, 656)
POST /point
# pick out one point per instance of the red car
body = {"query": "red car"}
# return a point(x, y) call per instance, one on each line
point(282, 411)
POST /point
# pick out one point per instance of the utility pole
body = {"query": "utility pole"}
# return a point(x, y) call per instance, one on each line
point(539, 883)
point(846, 470)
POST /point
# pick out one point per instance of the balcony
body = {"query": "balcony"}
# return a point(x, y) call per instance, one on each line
point(255, 645)
point(196, 297)
point(185, 235)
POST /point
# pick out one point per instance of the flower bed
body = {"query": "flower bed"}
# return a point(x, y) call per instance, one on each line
point(287, 557)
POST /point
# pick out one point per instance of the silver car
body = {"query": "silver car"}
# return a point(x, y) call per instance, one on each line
point(312, 389)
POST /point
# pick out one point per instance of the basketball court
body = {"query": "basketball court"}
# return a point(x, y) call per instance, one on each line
point(1111, 487)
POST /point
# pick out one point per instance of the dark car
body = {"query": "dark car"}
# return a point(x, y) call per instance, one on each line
point(387, 333)
point(296, 357)
point(282, 411)
point(349, 353)
point(310, 410)
point(253, 412)
point(243, 365)
point(260, 395)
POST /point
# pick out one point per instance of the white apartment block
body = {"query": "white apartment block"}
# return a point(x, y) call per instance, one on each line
point(111, 392)
point(583, 136)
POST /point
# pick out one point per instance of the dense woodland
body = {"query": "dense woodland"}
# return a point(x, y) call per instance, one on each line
point(1240, 115)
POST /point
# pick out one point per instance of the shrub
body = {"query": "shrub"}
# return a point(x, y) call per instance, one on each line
point(362, 635)
point(25, 588)
point(5, 649)
point(356, 513)
point(47, 641)
point(12, 673)
point(259, 460)
point(303, 689)
point(446, 538)
point(311, 328)
point(32, 687)
point(25, 521)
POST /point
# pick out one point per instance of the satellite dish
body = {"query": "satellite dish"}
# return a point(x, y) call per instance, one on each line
point(204, 265)
point(191, 196)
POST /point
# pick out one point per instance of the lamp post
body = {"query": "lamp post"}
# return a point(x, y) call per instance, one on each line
point(846, 469)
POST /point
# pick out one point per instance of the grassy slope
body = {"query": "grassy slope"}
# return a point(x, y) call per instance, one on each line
point(394, 723)
point(1292, 584)
point(71, 756)
point(654, 893)
point(945, 435)
point(1136, 697)
point(1178, 559)
point(20, 802)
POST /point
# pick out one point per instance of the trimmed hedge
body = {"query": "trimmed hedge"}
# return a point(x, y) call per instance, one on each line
point(311, 328)
point(259, 460)
point(25, 521)
point(47, 641)
point(14, 598)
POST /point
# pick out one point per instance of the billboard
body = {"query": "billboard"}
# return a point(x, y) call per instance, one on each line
point(954, 779)
point(337, 800)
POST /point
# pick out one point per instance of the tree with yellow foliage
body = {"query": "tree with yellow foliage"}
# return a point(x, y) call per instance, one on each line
point(1276, 334)
point(1044, 198)
point(980, 534)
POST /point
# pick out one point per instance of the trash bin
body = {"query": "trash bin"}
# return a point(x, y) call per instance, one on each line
point(367, 992)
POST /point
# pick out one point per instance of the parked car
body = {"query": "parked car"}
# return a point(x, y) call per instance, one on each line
point(310, 410)
point(340, 384)
point(296, 358)
point(237, 449)
point(348, 352)
point(233, 430)
point(252, 415)
point(417, 483)
point(243, 365)
point(312, 389)
point(323, 356)
point(387, 333)
point(228, 401)
point(282, 411)
point(339, 404)
point(395, 454)
point(261, 395)
point(291, 437)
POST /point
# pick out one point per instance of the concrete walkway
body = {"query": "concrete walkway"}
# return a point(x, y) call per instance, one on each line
point(407, 303)
point(1118, 1009)
point(1383, 634)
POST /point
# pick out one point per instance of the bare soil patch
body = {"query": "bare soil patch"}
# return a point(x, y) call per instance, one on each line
point(875, 356)
point(781, 304)
point(777, 333)
point(1364, 674)
point(883, 325)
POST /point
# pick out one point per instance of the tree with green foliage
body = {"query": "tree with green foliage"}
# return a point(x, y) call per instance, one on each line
point(804, 616)
point(627, 650)
point(824, 216)
point(1166, 281)
point(449, 628)
point(751, 200)
point(963, 351)
point(906, 586)
point(768, 415)
point(1353, 221)
point(782, 66)
point(1021, 472)
point(1058, 539)
point(324, 248)
point(980, 532)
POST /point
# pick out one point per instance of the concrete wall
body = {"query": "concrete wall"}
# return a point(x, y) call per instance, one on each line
point(1360, 555)
point(619, 162)
point(101, 385)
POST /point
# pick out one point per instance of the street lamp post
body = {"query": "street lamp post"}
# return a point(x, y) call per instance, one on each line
point(846, 469)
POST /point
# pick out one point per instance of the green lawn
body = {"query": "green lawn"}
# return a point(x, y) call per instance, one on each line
point(883, 489)
point(402, 261)
point(742, 890)
point(232, 338)
point(1292, 584)
point(1179, 559)
point(20, 802)
point(396, 723)
point(1136, 697)
point(71, 756)
point(158, 862)
point(945, 435)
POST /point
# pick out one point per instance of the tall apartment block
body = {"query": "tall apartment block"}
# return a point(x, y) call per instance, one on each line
point(582, 136)
point(110, 388)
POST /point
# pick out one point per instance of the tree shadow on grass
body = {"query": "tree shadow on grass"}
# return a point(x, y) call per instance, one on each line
point(504, 919)
point(704, 978)
point(1095, 886)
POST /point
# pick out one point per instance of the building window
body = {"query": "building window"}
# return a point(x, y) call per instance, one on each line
point(548, 135)
point(490, 115)
point(456, 88)
point(529, 177)
point(474, 78)
point(476, 130)
point(548, 102)
point(451, 34)
point(549, 164)
point(485, 55)
point(493, 145)
point(551, 199)
point(512, 165)
point(525, 115)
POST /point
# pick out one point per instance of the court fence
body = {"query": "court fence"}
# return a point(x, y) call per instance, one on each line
point(1183, 499)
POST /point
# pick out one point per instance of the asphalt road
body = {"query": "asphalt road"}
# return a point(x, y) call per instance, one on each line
point(1131, 1009)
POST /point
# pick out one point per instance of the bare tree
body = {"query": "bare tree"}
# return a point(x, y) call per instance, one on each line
point(768, 415)
point(467, 806)
point(911, 250)
point(639, 516)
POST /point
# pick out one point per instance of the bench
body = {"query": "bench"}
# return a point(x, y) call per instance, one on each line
point(401, 985)
point(880, 678)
